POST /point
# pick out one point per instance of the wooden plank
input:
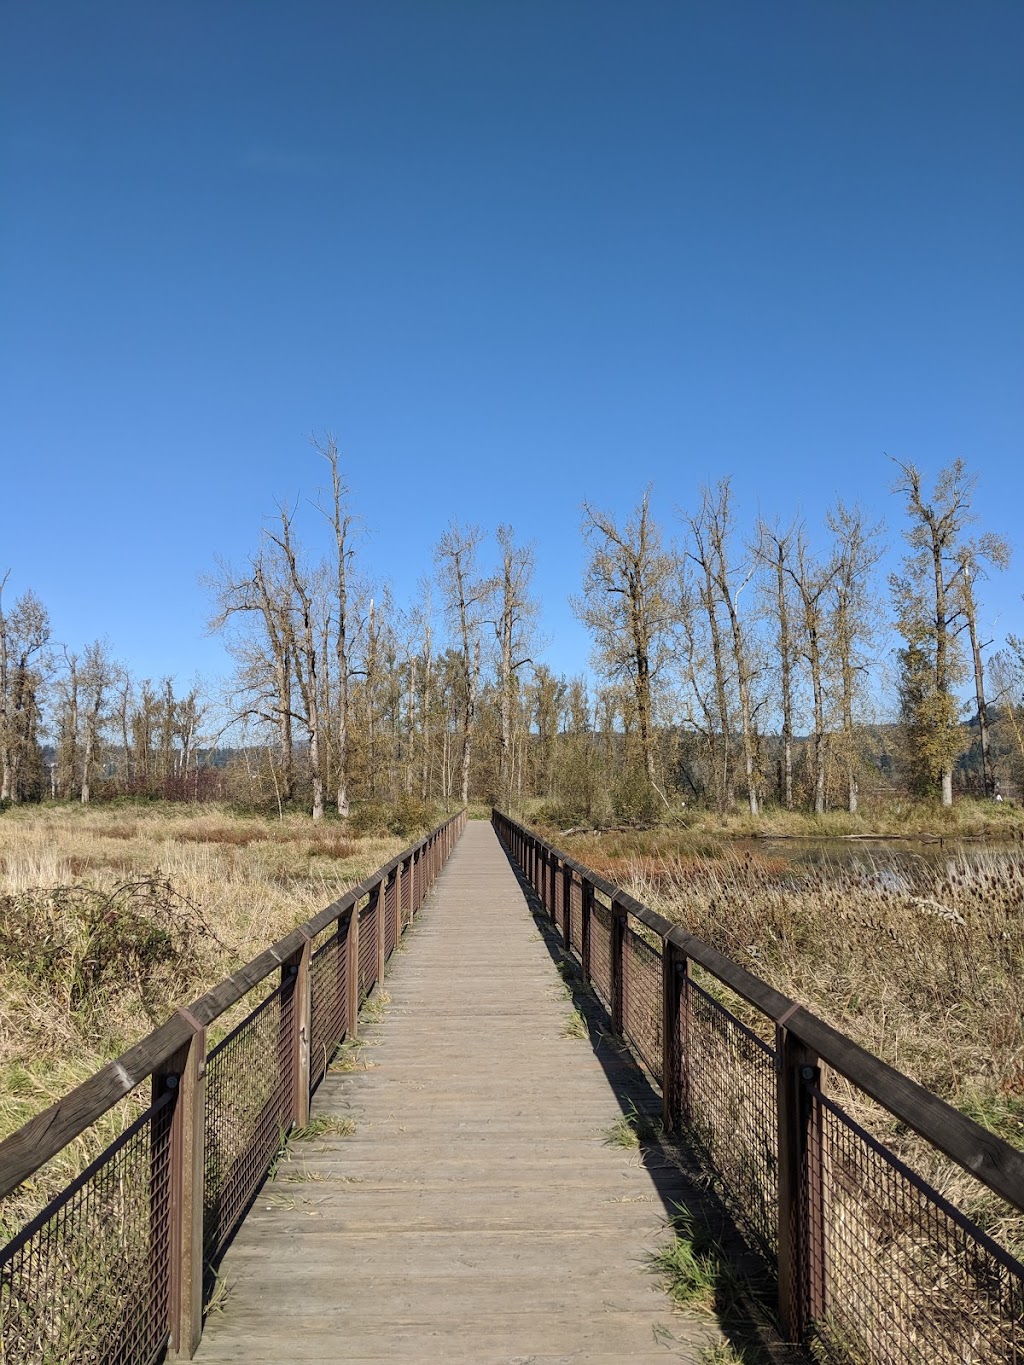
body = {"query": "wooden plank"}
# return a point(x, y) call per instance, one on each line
point(479, 1167)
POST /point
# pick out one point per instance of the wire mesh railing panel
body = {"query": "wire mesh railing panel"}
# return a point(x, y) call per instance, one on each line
point(641, 998)
point(601, 951)
point(368, 946)
point(899, 1274)
point(87, 1280)
point(729, 1097)
point(328, 981)
point(390, 917)
point(559, 899)
point(576, 916)
point(249, 1083)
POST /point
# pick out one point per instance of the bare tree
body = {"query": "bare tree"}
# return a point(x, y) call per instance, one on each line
point(813, 580)
point(712, 530)
point(301, 634)
point(717, 717)
point(341, 523)
point(265, 677)
point(929, 611)
point(96, 678)
point(465, 594)
point(628, 606)
point(512, 627)
point(857, 551)
point(65, 776)
point(24, 635)
point(994, 551)
point(775, 548)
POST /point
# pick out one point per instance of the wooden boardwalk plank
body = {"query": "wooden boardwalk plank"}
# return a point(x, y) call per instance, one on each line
point(477, 1212)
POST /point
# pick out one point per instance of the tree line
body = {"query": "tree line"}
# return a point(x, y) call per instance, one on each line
point(731, 667)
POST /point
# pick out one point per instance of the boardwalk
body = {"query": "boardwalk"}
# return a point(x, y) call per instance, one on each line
point(476, 1213)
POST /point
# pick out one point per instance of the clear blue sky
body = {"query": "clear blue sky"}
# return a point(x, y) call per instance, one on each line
point(513, 254)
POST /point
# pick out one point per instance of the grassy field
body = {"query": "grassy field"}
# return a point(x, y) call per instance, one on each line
point(920, 961)
point(111, 917)
point(878, 817)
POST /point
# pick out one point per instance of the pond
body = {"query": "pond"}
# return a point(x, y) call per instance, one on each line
point(858, 854)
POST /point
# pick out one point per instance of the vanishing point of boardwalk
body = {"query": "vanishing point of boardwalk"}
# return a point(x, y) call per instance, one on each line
point(477, 1212)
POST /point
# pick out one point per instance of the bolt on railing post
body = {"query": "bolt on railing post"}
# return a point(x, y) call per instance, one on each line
point(184, 1140)
point(352, 975)
point(617, 954)
point(586, 915)
point(801, 1249)
point(567, 907)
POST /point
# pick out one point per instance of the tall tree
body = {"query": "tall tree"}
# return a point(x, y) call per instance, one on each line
point(464, 594)
point(512, 628)
point(96, 678)
point(24, 635)
point(341, 523)
point(713, 530)
point(929, 614)
point(259, 598)
point(302, 632)
point(628, 605)
point(813, 579)
point(989, 550)
point(775, 548)
point(857, 551)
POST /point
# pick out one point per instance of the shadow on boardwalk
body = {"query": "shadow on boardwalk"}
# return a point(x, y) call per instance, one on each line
point(744, 1288)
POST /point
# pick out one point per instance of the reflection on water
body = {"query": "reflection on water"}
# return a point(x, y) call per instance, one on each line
point(873, 855)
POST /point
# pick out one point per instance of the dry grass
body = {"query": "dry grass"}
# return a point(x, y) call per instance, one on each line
point(113, 917)
point(878, 817)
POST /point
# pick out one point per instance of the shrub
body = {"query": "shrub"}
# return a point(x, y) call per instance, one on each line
point(79, 941)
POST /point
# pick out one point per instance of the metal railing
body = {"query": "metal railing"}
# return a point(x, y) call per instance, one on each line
point(114, 1270)
point(873, 1265)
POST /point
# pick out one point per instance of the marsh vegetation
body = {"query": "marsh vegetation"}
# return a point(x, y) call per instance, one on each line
point(113, 916)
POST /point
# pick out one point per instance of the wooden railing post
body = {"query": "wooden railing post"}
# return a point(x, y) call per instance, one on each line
point(398, 903)
point(617, 953)
point(382, 915)
point(673, 967)
point(567, 908)
point(352, 976)
point(586, 915)
point(342, 975)
point(301, 1020)
point(185, 1074)
point(801, 1247)
point(294, 1042)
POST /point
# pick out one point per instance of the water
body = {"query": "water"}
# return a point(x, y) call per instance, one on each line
point(870, 854)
